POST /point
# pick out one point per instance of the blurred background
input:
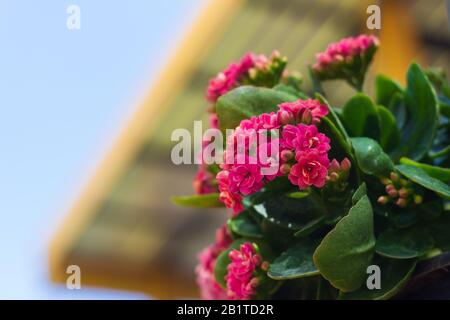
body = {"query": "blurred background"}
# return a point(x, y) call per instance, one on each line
point(86, 117)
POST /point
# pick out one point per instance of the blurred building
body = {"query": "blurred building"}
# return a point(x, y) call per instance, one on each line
point(123, 231)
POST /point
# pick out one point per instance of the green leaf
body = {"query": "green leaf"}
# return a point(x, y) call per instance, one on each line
point(371, 157)
point(359, 193)
point(422, 178)
point(294, 263)
point(298, 194)
point(244, 225)
point(422, 116)
point(436, 172)
point(390, 135)
point(361, 117)
point(394, 276)
point(385, 89)
point(246, 101)
point(291, 213)
point(403, 219)
point(310, 227)
point(404, 243)
point(344, 254)
point(290, 90)
point(440, 230)
point(199, 201)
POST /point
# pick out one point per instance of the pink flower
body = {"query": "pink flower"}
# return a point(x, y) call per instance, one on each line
point(229, 78)
point(344, 51)
point(231, 199)
point(203, 182)
point(301, 111)
point(213, 121)
point(241, 279)
point(209, 288)
point(245, 178)
point(310, 170)
point(304, 138)
point(269, 121)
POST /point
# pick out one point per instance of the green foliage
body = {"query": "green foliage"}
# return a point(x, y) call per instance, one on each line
point(371, 157)
point(404, 243)
point(422, 116)
point(394, 275)
point(296, 262)
point(290, 213)
point(385, 90)
point(421, 177)
point(435, 172)
point(244, 225)
point(246, 101)
point(389, 133)
point(344, 254)
point(361, 117)
point(199, 201)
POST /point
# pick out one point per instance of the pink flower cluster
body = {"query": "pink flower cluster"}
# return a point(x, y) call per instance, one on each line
point(309, 148)
point(229, 78)
point(300, 151)
point(250, 66)
point(209, 288)
point(241, 279)
point(344, 51)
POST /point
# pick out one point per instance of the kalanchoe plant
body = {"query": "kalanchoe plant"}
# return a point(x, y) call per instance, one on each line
point(342, 188)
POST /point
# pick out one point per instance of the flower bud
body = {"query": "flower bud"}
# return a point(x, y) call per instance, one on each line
point(306, 117)
point(285, 168)
point(334, 176)
point(401, 202)
point(403, 192)
point(285, 117)
point(418, 199)
point(346, 164)
point(334, 165)
point(394, 177)
point(287, 155)
point(383, 200)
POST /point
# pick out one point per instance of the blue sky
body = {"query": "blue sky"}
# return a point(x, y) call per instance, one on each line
point(63, 97)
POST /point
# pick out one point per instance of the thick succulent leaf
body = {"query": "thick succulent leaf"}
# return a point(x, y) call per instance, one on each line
point(436, 172)
point(389, 133)
point(344, 254)
point(422, 178)
point(422, 116)
point(371, 157)
point(199, 201)
point(385, 90)
point(404, 243)
point(361, 117)
point(359, 193)
point(291, 213)
point(296, 262)
point(244, 225)
point(247, 101)
point(394, 276)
